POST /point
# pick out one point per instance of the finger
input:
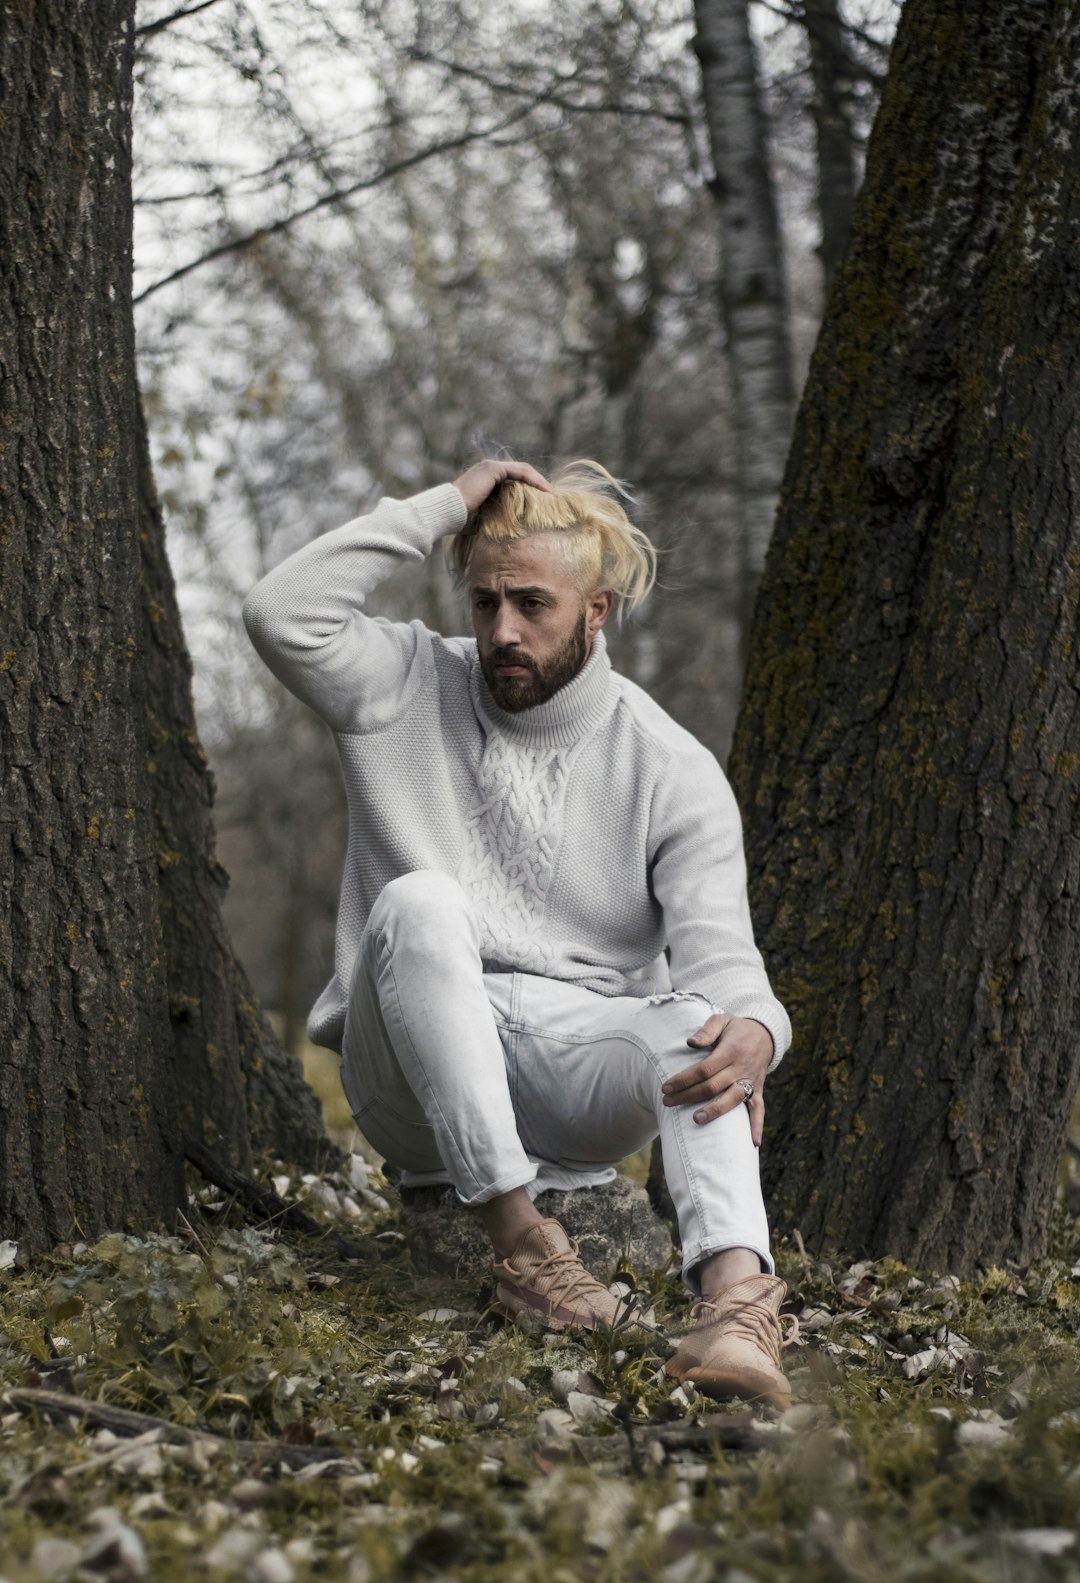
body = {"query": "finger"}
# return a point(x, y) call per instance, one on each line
point(700, 1094)
point(706, 1079)
point(756, 1107)
point(526, 475)
point(710, 1030)
point(730, 1099)
point(690, 1078)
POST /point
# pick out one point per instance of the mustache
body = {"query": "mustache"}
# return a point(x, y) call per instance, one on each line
point(510, 657)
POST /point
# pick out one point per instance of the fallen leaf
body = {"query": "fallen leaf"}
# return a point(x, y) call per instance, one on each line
point(984, 1432)
point(1041, 1541)
point(563, 1381)
point(589, 1410)
point(54, 1559)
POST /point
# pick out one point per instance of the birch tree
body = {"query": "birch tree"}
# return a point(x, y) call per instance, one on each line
point(753, 298)
point(832, 69)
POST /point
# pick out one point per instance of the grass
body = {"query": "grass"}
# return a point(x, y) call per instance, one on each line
point(936, 1436)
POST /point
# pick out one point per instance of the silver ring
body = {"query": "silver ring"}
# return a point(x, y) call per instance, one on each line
point(747, 1088)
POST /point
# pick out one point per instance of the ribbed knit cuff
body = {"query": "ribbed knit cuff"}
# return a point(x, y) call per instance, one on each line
point(774, 1018)
point(441, 510)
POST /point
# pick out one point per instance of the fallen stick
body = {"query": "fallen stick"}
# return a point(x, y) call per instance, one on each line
point(58, 1406)
point(730, 1433)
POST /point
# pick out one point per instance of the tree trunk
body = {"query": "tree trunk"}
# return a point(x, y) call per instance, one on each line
point(115, 979)
point(241, 1091)
point(753, 298)
point(908, 749)
point(87, 1095)
point(837, 181)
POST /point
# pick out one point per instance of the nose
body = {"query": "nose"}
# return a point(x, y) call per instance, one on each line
point(506, 632)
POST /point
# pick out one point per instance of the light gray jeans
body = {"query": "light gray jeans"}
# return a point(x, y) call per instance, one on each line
point(476, 1076)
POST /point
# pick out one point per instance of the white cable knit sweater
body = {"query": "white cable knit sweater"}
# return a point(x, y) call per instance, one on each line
point(590, 832)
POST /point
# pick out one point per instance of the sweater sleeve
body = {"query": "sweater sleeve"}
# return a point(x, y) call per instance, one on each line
point(699, 879)
point(306, 618)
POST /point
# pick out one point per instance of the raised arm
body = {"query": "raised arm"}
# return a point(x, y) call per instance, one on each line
point(307, 617)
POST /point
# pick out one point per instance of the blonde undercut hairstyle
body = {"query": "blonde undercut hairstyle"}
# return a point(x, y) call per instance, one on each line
point(601, 546)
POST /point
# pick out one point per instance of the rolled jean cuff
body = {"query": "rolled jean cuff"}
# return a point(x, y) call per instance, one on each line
point(699, 1251)
point(505, 1184)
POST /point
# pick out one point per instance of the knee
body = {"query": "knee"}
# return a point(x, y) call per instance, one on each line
point(665, 1024)
point(421, 905)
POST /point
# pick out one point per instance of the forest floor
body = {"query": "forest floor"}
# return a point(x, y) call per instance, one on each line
point(311, 1416)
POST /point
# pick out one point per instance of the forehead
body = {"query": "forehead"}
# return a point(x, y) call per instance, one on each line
point(537, 560)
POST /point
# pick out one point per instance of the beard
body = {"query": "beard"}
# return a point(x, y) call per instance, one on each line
point(543, 677)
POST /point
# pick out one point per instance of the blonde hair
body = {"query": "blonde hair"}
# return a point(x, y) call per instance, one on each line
point(601, 546)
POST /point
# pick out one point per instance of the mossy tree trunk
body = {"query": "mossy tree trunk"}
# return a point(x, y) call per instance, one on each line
point(123, 1023)
point(907, 756)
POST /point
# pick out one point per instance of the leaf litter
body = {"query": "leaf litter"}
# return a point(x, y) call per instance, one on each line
point(240, 1401)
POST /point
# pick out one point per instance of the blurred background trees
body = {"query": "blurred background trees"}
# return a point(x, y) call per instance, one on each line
point(374, 240)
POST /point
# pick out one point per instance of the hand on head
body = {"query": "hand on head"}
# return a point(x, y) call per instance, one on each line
point(477, 483)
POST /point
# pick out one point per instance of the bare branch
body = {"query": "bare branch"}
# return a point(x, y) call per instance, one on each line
point(174, 16)
point(338, 195)
point(856, 68)
point(545, 95)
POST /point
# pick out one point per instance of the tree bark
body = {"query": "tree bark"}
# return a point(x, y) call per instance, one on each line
point(753, 296)
point(907, 751)
point(87, 1095)
point(122, 1016)
point(240, 1091)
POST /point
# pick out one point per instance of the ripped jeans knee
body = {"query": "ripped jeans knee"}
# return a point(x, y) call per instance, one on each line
point(683, 994)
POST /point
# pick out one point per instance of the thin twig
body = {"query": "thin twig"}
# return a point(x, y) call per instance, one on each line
point(337, 195)
point(192, 1233)
point(174, 16)
point(150, 1437)
point(544, 95)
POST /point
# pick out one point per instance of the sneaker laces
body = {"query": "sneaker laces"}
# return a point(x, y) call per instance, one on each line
point(752, 1321)
point(570, 1279)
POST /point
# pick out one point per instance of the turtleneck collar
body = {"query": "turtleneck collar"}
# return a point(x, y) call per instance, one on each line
point(580, 707)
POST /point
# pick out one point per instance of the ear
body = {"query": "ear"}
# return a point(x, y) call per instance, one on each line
point(597, 609)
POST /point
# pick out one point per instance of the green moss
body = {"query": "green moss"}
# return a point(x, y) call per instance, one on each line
point(937, 1477)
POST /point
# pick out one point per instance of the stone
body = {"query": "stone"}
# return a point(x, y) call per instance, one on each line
point(609, 1223)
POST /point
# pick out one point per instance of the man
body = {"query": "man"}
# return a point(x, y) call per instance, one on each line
point(544, 900)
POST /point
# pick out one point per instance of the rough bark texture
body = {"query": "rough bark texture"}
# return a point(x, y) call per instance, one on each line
point(908, 751)
point(239, 1090)
point(122, 1016)
point(753, 298)
point(836, 174)
point(86, 1098)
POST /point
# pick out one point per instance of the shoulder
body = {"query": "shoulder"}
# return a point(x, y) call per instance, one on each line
point(453, 655)
point(658, 732)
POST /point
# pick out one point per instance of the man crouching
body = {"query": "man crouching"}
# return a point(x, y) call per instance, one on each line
point(543, 903)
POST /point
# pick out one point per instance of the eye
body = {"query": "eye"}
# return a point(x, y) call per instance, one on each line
point(532, 603)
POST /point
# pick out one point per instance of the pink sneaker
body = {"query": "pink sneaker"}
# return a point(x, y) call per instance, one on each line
point(734, 1346)
point(544, 1275)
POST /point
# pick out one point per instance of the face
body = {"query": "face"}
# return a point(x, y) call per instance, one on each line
point(534, 629)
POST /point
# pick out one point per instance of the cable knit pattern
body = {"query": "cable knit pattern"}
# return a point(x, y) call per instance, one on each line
point(510, 840)
point(598, 841)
